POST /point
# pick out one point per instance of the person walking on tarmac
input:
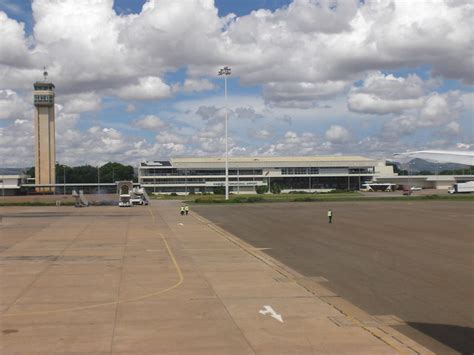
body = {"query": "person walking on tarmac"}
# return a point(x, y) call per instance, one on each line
point(186, 209)
point(182, 210)
point(330, 216)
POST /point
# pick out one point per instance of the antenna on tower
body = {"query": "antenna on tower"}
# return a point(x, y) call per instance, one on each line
point(45, 74)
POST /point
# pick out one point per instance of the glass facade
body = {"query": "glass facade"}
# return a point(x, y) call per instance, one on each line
point(44, 99)
point(166, 178)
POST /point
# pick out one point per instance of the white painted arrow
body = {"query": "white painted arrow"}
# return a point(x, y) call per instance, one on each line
point(269, 310)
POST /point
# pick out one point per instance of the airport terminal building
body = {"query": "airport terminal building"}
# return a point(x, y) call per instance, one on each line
point(246, 174)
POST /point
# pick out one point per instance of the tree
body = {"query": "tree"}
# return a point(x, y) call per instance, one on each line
point(467, 171)
point(112, 172)
point(30, 171)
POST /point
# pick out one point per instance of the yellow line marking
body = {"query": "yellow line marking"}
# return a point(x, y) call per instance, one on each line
point(173, 259)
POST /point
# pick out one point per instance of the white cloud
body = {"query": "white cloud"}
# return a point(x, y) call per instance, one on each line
point(197, 85)
point(167, 137)
point(262, 134)
point(247, 113)
point(17, 144)
point(148, 88)
point(293, 143)
point(302, 95)
point(150, 122)
point(83, 102)
point(13, 46)
point(13, 106)
point(308, 42)
point(210, 112)
point(439, 109)
point(337, 134)
point(373, 104)
point(400, 126)
point(383, 94)
point(453, 128)
point(301, 56)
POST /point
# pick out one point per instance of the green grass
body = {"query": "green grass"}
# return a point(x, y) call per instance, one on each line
point(333, 197)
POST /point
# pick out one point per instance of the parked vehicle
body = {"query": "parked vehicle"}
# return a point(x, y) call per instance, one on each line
point(139, 196)
point(415, 188)
point(407, 192)
point(462, 187)
point(125, 201)
point(138, 200)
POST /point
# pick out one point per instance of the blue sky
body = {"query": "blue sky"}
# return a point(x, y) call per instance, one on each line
point(137, 80)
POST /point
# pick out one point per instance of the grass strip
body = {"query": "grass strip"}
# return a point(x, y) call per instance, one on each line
point(332, 198)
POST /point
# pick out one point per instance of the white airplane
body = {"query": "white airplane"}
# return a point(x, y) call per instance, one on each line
point(441, 156)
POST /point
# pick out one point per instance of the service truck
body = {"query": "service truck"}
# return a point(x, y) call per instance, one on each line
point(462, 187)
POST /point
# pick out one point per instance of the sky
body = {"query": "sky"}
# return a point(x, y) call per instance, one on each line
point(137, 80)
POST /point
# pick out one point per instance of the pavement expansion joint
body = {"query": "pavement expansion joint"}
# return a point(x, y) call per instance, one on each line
point(370, 321)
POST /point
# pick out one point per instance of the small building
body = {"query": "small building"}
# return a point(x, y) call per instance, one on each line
point(12, 184)
point(247, 174)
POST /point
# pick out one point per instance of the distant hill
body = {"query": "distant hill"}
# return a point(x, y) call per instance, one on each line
point(416, 165)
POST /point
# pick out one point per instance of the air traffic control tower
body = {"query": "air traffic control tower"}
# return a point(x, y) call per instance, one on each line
point(45, 140)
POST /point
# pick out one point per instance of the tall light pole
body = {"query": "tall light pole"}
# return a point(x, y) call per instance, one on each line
point(98, 179)
point(226, 71)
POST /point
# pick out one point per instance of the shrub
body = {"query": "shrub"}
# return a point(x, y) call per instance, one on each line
point(275, 188)
point(305, 199)
point(219, 190)
point(253, 199)
point(261, 189)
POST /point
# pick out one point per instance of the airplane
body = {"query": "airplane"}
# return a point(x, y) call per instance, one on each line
point(441, 156)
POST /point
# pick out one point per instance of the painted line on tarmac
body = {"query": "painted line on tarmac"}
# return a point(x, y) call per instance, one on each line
point(177, 284)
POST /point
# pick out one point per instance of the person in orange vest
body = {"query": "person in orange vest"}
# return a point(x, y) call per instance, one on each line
point(330, 216)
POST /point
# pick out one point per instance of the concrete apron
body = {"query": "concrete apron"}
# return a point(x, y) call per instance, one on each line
point(146, 280)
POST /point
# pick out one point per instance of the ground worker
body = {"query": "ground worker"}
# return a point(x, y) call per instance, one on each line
point(186, 209)
point(330, 216)
point(182, 210)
